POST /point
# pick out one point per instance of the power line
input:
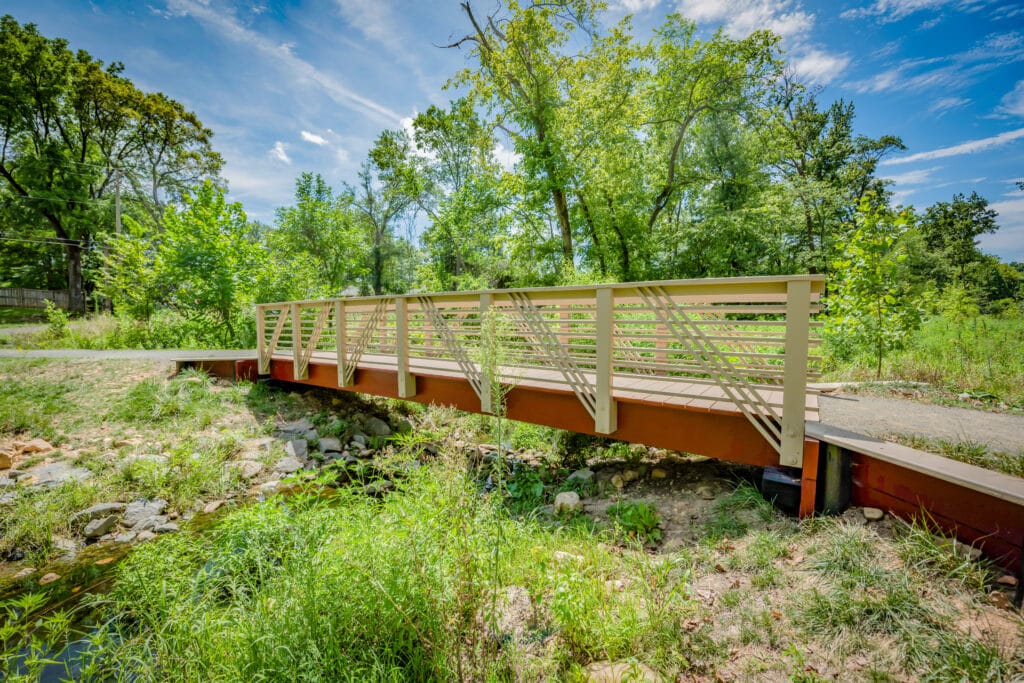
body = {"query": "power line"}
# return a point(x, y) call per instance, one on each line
point(52, 241)
point(95, 200)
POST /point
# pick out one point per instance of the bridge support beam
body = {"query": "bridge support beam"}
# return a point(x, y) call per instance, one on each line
point(406, 381)
point(606, 415)
point(794, 386)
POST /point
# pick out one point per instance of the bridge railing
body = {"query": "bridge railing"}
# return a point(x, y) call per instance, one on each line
point(744, 343)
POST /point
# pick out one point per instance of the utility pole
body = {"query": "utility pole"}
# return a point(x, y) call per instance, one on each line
point(117, 227)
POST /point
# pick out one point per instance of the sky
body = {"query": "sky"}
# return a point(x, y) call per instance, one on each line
point(306, 85)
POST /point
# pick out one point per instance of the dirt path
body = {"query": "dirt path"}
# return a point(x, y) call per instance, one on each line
point(876, 416)
point(131, 354)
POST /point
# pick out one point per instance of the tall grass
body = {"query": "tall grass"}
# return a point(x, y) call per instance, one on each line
point(981, 354)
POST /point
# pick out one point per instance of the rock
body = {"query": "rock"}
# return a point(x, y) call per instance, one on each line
point(618, 482)
point(141, 510)
point(872, 514)
point(403, 427)
point(584, 476)
point(376, 426)
point(1007, 580)
point(48, 578)
point(568, 502)
point(100, 526)
point(287, 465)
point(968, 552)
point(265, 444)
point(378, 488)
point(125, 537)
point(168, 528)
point(620, 672)
point(360, 439)
point(297, 448)
point(7, 482)
point(212, 506)
point(659, 473)
point(247, 469)
point(36, 446)
point(95, 511)
point(270, 487)
point(27, 571)
point(630, 475)
point(297, 427)
point(706, 492)
point(150, 523)
point(145, 536)
point(54, 474)
point(330, 444)
point(5, 460)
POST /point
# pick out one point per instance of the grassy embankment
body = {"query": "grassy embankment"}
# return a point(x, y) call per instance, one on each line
point(439, 581)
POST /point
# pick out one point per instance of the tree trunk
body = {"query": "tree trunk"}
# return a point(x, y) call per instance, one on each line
point(378, 268)
point(76, 287)
point(562, 211)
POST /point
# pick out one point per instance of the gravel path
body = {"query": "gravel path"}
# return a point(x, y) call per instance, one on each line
point(876, 416)
point(864, 414)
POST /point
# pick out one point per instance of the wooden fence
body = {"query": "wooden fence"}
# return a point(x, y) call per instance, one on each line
point(18, 297)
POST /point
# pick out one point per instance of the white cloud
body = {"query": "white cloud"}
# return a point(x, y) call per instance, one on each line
point(893, 10)
point(787, 18)
point(1013, 101)
point(314, 138)
point(229, 27)
point(1008, 241)
point(969, 147)
point(508, 158)
point(917, 177)
point(279, 152)
point(817, 66)
point(634, 6)
point(944, 104)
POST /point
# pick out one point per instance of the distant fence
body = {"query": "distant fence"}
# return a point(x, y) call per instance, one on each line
point(18, 297)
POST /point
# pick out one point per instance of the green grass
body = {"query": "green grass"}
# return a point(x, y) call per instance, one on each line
point(21, 316)
point(981, 355)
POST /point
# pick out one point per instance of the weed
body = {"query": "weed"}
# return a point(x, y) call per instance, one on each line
point(638, 521)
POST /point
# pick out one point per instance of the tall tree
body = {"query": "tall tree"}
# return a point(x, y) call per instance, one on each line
point(71, 130)
point(951, 231)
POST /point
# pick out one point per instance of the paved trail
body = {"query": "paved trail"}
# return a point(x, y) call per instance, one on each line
point(864, 414)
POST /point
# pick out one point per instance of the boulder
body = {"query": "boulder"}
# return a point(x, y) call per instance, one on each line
point(630, 475)
point(96, 511)
point(297, 448)
point(584, 476)
point(288, 465)
point(247, 469)
point(100, 526)
point(5, 460)
point(297, 427)
point(145, 536)
point(618, 482)
point(212, 506)
point(167, 528)
point(36, 446)
point(659, 473)
point(376, 426)
point(567, 502)
point(48, 578)
point(140, 510)
point(330, 444)
point(378, 488)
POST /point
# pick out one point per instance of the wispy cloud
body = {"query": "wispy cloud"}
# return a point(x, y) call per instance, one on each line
point(957, 70)
point(1008, 241)
point(279, 152)
point(916, 177)
point(1012, 103)
point(886, 11)
point(226, 24)
point(970, 147)
point(634, 6)
point(944, 104)
point(314, 138)
point(787, 18)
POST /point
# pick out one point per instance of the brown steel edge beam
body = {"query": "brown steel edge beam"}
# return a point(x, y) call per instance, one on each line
point(715, 434)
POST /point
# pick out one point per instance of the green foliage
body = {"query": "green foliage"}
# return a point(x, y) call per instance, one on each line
point(869, 304)
point(57, 321)
point(186, 399)
point(637, 521)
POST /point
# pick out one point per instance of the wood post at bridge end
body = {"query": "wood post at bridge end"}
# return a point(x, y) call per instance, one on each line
point(605, 413)
point(406, 381)
point(794, 384)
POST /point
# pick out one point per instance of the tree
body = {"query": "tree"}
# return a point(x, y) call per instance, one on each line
point(382, 197)
point(71, 130)
point(870, 305)
point(320, 232)
point(951, 231)
point(207, 261)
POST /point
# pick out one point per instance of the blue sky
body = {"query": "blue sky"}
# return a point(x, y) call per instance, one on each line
point(294, 85)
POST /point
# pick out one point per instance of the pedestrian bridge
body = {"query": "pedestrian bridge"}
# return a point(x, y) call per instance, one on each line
point(717, 367)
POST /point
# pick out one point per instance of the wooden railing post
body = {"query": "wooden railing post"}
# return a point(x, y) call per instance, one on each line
point(486, 380)
point(605, 418)
point(794, 387)
point(296, 315)
point(406, 382)
point(340, 334)
point(262, 357)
